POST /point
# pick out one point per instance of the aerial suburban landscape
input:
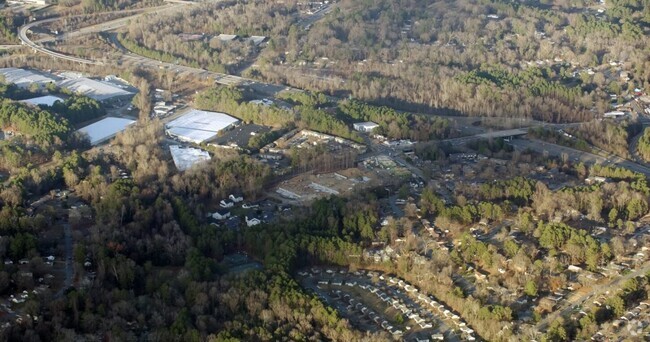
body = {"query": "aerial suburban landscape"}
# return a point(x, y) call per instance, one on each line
point(337, 170)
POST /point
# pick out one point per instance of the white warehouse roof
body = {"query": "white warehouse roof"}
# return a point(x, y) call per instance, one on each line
point(257, 40)
point(23, 78)
point(184, 158)
point(105, 129)
point(96, 90)
point(227, 37)
point(198, 126)
point(365, 126)
point(47, 100)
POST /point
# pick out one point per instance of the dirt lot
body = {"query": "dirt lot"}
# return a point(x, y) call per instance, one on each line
point(308, 187)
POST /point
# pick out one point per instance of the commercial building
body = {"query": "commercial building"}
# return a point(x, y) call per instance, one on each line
point(47, 100)
point(184, 158)
point(198, 126)
point(239, 137)
point(365, 127)
point(256, 40)
point(97, 90)
point(105, 129)
point(227, 37)
point(614, 114)
point(24, 78)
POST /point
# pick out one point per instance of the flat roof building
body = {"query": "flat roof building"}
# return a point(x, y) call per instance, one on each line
point(184, 158)
point(198, 126)
point(96, 90)
point(47, 100)
point(365, 127)
point(614, 114)
point(256, 40)
point(105, 129)
point(23, 78)
point(227, 37)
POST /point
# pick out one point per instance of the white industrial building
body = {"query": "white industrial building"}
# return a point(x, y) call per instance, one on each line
point(198, 126)
point(105, 129)
point(256, 40)
point(47, 100)
point(227, 37)
point(365, 127)
point(184, 158)
point(614, 114)
point(24, 78)
point(97, 90)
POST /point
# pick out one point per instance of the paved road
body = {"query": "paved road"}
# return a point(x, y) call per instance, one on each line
point(596, 290)
point(506, 133)
point(69, 271)
point(488, 135)
point(107, 26)
point(22, 35)
point(307, 22)
point(575, 155)
point(129, 57)
point(442, 326)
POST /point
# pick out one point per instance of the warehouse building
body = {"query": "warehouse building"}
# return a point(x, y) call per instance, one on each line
point(97, 90)
point(186, 157)
point(105, 129)
point(48, 100)
point(198, 126)
point(365, 127)
point(24, 78)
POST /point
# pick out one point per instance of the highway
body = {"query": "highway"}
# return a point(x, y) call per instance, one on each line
point(488, 135)
point(141, 61)
point(107, 26)
point(577, 155)
point(22, 35)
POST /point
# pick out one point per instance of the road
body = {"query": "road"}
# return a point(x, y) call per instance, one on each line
point(307, 22)
point(488, 135)
point(129, 57)
point(107, 26)
point(596, 290)
point(22, 35)
point(311, 282)
point(575, 155)
point(69, 271)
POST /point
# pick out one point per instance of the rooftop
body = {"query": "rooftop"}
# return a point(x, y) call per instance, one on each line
point(184, 158)
point(105, 129)
point(367, 124)
point(227, 37)
point(97, 90)
point(199, 126)
point(25, 77)
point(47, 100)
point(240, 135)
point(257, 40)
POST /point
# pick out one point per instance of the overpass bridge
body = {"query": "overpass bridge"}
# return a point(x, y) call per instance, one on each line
point(489, 135)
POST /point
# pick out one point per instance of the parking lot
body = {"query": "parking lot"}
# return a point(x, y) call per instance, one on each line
point(377, 302)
